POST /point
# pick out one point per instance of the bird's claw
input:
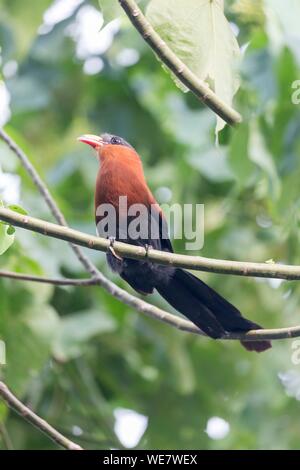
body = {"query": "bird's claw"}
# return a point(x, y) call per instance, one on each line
point(111, 248)
point(147, 249)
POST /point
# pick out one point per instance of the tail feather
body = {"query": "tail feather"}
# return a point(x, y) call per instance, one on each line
point(206, 308)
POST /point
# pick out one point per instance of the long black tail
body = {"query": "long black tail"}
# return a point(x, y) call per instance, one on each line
point(206, 308)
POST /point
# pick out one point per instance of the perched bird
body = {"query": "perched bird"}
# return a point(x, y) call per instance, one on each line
point(121, 174)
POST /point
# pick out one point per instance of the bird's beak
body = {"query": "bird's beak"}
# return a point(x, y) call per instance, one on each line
point(92, 140)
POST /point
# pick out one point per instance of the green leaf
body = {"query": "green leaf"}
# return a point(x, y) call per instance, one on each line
point(213, 164)
point(7, 41)
point(201, 37)
point(28, 326)
point(11, 230)
point(46, 324)
point(22, 263)
point(259, 154)
point(110, 10)
point(3, 412)
point(6, 238)
point(79, 328)
point(24, 20)
point(283, 23)
point(19, 209)
point(239, 161)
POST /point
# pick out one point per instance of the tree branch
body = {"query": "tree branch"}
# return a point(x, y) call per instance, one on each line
point(13, 402)
point(48, 280)
point(182, 72)
point(101, 244)
point(241, 268)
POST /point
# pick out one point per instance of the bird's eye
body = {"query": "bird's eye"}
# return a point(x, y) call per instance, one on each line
point(115, 141)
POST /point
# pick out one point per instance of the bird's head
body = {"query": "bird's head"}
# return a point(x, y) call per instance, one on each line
point(105, 143)
point(112, 150)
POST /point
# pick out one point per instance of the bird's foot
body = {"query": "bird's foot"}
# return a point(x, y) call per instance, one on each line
point(111, 248)
point(147, 249)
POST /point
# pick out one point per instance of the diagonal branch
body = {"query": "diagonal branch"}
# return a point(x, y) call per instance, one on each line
point(182, 72)
point(13, 402)
point(101, 244)
point(240, 268)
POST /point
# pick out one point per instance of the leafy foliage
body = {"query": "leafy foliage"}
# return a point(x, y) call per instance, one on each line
point(201, 37)
point(110, 10)
point(6, 235)
point(76, 355)
point(6, 238)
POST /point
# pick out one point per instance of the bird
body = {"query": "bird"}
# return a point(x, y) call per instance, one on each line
point(120, 175)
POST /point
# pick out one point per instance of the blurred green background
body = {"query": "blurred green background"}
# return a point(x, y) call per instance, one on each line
point(95, 369)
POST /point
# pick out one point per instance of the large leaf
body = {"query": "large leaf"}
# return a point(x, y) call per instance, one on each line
point(283, 24)
point(6, 238)
point(27, 325)
point(239, 161)
point(24, 19)
point(110, 10)
point(201, 36)
point(259, 154)
point(79, 328)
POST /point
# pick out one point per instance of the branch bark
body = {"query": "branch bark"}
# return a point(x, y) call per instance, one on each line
point(101, 244)
point(182, 72)
point(240, 268)
point(13, 402)
point(48, 280)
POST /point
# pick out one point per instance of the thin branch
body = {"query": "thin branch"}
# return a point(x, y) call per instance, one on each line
point(48, 280)
point(182, 72)
point(6, 437)
point(13, 402)
point(101, 244)
point(241, 268)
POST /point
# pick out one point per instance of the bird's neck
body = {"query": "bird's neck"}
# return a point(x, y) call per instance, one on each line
point(118, 177)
